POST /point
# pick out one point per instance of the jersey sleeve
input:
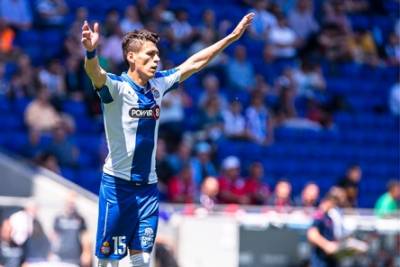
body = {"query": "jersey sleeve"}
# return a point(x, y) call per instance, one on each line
point(167, 80)
point(111, 89)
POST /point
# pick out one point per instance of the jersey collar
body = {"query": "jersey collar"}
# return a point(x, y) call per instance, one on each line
point(135, 86)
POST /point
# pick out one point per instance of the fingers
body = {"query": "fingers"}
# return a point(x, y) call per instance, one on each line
point(85, 26)
point(96, 28)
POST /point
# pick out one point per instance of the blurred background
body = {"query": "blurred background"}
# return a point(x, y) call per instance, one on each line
point(306, 102)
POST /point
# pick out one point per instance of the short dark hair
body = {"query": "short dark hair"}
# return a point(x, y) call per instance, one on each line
point(392, 184)
point(132, 41)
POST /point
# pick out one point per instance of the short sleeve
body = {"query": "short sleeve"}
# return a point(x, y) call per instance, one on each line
point(167, 80)
point(110, 90)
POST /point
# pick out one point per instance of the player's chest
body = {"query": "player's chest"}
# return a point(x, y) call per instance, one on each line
point(141, 104)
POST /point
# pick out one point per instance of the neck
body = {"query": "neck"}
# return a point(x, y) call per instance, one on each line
point(134, 75)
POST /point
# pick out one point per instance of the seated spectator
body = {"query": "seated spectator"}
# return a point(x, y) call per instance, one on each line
point(52, 77)
point(241, 67)
point(72, 243)
point(302, 21)
point(63, 148)
point(7, 36)
point(281, 198)
point(74, 78)
point(27, 75)
point(351, 183)
point(231, 184)
point(16, 13)
point(131, 20)
point(285, 108)
point(210, 119)
point(234, 122)
point(208, 22)
point(111, 48)
point(40, 114)
point(263, 20)
point(209, 192)
point(394, 98)
point(308, 80)
point(182, 187)
point(392, 49)
point(181, 32)
point(258, 120)
point(34, 147)
point(363, 47)
point(387, 204)
point(51, 13)
point(181, 156)
point(201, 164)
point(211, 89)
point(11, 255)
point(255, 186)
point(283, 39)
point(309, 196)
point(164, 169)
point(81, 14)
point(335, 13)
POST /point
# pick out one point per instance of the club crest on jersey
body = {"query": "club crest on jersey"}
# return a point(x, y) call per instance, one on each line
point(148, 237)
point(105, 248)
point(153, 113)
point(156, 93)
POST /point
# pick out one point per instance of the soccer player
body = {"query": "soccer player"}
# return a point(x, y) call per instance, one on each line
point(128, 198)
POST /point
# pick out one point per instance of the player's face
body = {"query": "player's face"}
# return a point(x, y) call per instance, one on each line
point(147, 59)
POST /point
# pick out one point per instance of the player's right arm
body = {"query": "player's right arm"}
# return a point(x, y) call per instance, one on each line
point(314, 237)
point(90, 41)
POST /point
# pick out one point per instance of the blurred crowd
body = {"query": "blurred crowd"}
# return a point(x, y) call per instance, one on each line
point(291, 39)
point(23, 241)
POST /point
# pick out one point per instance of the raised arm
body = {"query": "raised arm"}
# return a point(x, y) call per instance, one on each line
point(199, 60)
point(90, 41)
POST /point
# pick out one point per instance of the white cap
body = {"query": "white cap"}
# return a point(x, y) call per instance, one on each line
point(230, 162)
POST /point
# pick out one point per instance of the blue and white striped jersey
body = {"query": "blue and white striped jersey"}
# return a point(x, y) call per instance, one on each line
point(131, 115)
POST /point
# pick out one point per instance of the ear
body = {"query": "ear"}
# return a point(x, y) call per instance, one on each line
point(131, 57)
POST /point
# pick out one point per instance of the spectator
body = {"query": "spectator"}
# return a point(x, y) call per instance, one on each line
point(163, 168)
point(281, 198)
point(181, 157)
point(52, 77)
point(234, 122)
point(40, 114)
point(208, 22)
point(309, 196)
point(131, 21)
point(51, 13)
point(263, 20)
point(387, 204)
point(258, 120)
point(111, 22)
point(72, 243)
point(309, 80)
point(7, 36)
point(16, 13)
point(81, 14)
point(74, 78)
point(210, 119)
point(48, 161)
point(335, 13)
point(209, 192)
point(27, 75)
point(394, 98)
point(392, 49)
point(302, 21)
point(34, 147)
point(182, 188)
point(231, 184)
point(241, 67)
point(285, 109)
point(363, 48)
point(111, 48)
point(201, 163)
point(283, 40)
point(350, 183)
point(255, 186)
point(321, 235)
point(181, 32)
point(63, 148)
point(211, 89)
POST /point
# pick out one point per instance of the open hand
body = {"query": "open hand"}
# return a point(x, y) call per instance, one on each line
point(90, 39)
point(242, 26)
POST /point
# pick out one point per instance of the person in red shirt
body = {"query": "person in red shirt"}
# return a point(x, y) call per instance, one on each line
point(231, 184)
point(282, 195)
point(181, 188)
point(254, 186)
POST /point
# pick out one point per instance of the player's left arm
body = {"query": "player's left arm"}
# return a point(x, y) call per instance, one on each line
point(199, 60)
